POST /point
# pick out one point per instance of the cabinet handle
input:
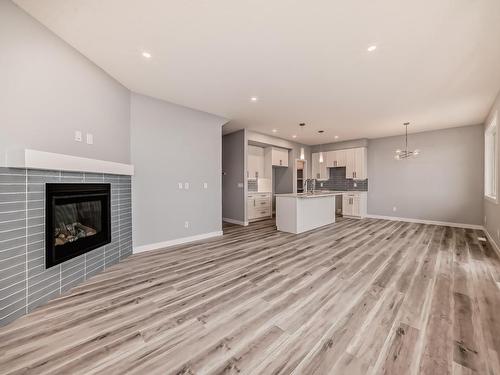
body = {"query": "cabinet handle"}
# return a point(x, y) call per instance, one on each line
point(254, 202)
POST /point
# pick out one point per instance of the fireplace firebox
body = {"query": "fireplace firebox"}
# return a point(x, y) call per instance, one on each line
point(77, 220)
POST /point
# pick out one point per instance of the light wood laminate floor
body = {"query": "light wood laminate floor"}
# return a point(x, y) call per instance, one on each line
point(356, 297)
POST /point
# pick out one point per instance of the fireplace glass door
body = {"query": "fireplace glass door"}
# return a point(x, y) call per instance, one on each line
point(77, 220)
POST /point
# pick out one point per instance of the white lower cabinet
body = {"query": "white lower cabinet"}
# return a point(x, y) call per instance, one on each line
point(259, 206)
point(354, 204)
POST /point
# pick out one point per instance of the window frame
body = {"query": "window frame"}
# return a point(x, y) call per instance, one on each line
point(491, 140)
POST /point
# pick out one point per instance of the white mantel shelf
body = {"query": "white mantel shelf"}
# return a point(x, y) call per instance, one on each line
point(33, 159)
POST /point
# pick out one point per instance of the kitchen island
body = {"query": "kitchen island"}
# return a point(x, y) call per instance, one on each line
point(298, 213)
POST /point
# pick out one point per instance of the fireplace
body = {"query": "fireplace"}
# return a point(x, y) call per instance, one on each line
point(77, 220)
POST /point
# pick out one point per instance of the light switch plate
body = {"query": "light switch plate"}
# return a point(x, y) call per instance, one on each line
point(180, 185)
point(90, 139)
point(186, 185)
point(205, 185)
point(78, 135)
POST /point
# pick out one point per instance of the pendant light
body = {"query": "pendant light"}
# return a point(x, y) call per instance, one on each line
point(302, 152)
point(405, 154)
point(320, 151)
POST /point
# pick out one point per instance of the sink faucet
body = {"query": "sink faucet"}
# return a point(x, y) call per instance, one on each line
point(310, 185)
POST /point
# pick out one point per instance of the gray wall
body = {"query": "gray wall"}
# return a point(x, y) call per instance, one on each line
point(24, 281)
point(234, 150)
point(491, 209)
point(444, 183)
point(172, 144)
point(49, 90)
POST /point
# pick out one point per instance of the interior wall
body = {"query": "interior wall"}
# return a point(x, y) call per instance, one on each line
point(172, 144)
point(49, 90)
point(234, 179)
point(342, 145)
point(444, 183)
point(491, 209)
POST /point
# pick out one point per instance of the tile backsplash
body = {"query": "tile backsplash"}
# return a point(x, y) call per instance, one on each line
point(252, 185)
point(338, 181)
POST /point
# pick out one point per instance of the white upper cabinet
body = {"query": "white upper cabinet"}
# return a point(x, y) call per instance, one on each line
point(279, 157)
point(320, 170)
point(354, 160)
point(337, 158)
point(356, 163)
point(361, 163)
point(255, 162)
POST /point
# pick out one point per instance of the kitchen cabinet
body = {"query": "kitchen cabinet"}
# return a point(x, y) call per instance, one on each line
point(279, 156)
point(337, 158)
point(319, 170)
point(354, 204)
point(258, 206)
point(354, 160)
point(356, 163)
point(255, 162)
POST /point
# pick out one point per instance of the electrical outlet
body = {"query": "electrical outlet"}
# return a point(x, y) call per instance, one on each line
point(355, 184)
point(205, 185)
point(78, 135)
point(180, 185)
point(394, 209)
point(186, 224)
point(321, 184)
point(240, 185)
point(186, 185)
point(90, 139)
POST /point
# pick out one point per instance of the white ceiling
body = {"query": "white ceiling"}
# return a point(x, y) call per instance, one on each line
point(437, 64)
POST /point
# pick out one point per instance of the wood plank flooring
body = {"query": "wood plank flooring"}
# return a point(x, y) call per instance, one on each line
point(356, 297)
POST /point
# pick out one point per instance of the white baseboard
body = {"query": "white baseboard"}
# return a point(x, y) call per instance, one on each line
point(433, 222)
point(237, 222)
point(491, 240)
point(178, 241)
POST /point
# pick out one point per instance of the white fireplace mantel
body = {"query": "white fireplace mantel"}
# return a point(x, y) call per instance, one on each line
point(34, 159)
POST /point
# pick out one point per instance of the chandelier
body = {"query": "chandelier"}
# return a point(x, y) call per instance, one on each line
point(405, 154)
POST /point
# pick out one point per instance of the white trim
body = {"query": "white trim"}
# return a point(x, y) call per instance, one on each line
point(491, 199)
point(491, 162)
point(237, 222)
point(421, 221)
point(491, 240)
point(34, 159)
point(178, 241)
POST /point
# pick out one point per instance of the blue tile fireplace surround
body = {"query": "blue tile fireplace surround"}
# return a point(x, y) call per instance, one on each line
point(25, 282)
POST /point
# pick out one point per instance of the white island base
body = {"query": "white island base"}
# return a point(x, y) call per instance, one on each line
point(298, 213)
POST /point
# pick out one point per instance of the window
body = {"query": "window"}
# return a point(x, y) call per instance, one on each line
point(490, 160)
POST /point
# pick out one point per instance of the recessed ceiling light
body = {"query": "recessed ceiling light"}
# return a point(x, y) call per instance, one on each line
point(294, 136)
point(372, 48)
point(275, 130)
point(147, 55)
point(254, 99)
point(336, 137)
